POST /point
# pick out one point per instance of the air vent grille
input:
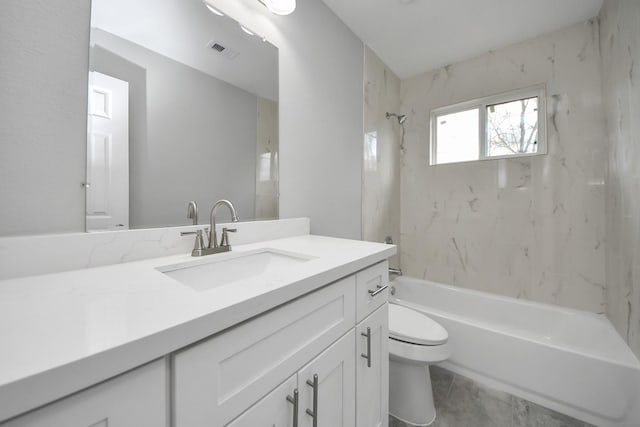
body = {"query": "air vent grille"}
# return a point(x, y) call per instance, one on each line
point(223, 49)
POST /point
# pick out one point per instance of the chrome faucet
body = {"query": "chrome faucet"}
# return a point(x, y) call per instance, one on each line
point(213, 237)
point(213, 247)
point(389, 241)
point(395, 271)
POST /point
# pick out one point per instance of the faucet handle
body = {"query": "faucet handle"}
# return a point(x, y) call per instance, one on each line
point(191, 233)
point(199, 245)
point(224, 241)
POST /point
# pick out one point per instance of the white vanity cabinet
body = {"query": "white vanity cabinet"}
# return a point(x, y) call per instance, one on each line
point(137, 398)
point(312, 344)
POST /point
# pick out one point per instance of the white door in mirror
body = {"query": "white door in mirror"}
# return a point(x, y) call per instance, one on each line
point(107, 154)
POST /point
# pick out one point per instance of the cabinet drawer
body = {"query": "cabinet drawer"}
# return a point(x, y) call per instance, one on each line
point(217, 380)
point(135, 399)
point(367, 281)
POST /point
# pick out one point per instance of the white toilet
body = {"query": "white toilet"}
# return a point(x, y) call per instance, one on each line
point(415, 340)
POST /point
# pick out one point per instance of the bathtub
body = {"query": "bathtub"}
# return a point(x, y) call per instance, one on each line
point(570, 361)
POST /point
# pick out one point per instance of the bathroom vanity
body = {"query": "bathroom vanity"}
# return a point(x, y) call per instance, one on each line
point(284, 332)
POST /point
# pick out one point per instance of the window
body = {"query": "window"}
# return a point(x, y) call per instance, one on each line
point(371, 151)
point(507, 125)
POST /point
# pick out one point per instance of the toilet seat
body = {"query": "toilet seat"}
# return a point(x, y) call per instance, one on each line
point(413, 327)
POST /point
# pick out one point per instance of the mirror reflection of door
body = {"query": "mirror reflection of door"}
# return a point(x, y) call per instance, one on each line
point(107, 183)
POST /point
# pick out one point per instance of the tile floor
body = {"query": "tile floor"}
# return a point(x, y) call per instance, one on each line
point(461, 402)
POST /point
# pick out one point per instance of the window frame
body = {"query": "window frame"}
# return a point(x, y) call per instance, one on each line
point(481, 104)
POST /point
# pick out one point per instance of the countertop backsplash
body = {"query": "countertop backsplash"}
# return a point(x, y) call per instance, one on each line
point(52, 253)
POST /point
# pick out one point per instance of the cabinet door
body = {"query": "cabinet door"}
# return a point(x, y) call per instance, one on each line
point(275, 410)
point(372, 372)
point(135, 399)
point(335, 390)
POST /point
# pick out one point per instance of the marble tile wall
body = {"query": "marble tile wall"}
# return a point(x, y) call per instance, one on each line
point(381, 177)
point(620, 45)
point(531, 227)
point(460, 401)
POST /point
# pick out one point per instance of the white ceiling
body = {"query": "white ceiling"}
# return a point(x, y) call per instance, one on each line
point(414, 36)
point(182, 29)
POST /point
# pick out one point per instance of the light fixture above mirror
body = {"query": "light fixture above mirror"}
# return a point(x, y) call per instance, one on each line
point(212, 9)
point(280, 7)
point(277, 7)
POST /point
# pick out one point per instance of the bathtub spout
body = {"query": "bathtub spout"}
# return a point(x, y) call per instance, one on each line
point(396, 271)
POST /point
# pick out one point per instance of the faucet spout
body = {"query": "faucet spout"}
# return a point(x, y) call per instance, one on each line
point(192, 212)
point(213, 236)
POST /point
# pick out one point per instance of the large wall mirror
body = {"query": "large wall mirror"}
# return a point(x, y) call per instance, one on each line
point(183, 105)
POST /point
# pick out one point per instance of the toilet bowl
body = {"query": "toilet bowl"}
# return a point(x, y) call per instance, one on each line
point(415, 341)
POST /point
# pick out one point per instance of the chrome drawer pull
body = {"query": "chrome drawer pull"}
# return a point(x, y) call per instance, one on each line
point(294, 401)
point(314, 414)
point(368, 355)
point(377, 291)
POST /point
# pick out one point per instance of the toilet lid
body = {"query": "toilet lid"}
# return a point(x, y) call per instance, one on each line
point(414, 327)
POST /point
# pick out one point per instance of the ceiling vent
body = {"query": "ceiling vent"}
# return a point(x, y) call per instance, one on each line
point(223, 50)
point(218, 47)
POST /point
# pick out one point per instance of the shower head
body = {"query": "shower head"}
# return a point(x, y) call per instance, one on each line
point(401, 117)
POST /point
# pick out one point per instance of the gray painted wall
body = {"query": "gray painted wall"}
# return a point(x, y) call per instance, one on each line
point(200, 136)
point(321, 71)
point(43, 115)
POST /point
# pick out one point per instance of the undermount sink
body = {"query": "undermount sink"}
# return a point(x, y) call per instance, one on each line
point(220, 270)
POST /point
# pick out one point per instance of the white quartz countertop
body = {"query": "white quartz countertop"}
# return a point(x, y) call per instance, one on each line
point(60, 333)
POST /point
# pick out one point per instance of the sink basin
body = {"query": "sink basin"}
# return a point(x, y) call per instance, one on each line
point(218, 270)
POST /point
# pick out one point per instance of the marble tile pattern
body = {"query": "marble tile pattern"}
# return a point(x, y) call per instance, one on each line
point(620, 44)
point(461, 402)
point(53, 253)
point(529, 227)
point(381, 177)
